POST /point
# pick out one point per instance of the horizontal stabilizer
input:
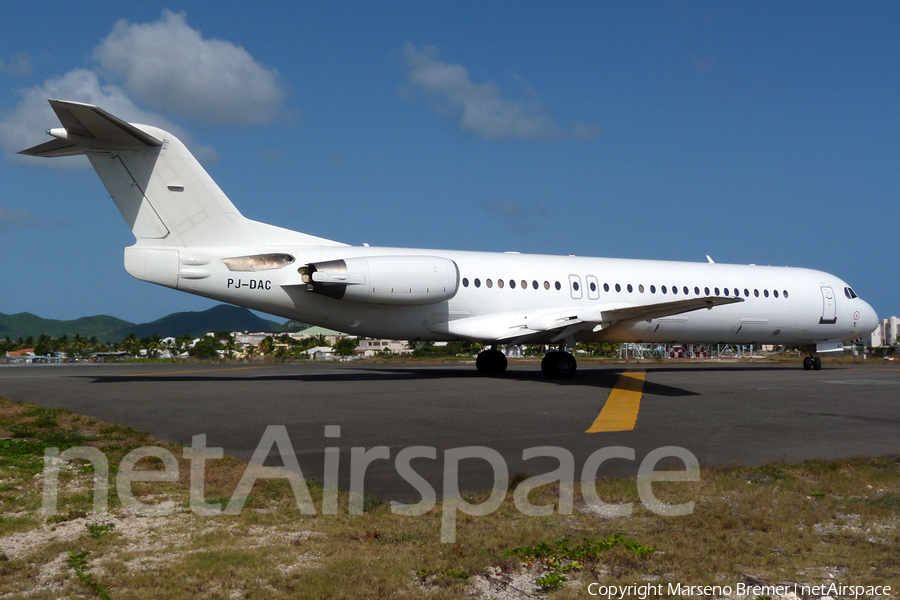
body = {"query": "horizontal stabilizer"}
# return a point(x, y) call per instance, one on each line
point(88, 128)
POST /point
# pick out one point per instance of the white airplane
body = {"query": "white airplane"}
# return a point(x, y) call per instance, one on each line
point(190, 237)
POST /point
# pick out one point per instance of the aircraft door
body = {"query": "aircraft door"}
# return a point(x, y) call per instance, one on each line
point(829, 307)
point(575, 286)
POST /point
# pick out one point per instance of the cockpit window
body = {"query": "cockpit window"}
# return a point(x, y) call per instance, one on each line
point(850, 293)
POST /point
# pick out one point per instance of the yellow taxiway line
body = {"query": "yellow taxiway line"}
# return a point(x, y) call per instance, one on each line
point(621, 409)
point(213, 370)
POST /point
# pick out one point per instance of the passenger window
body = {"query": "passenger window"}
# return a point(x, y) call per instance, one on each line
point(605, 287)
point(706, 290)
point(652, 289)
point(512, 283)
point(558, 286)
point(775, 293)
point(477, 282)
point(534, 284)
point(524, 285)
point(618, 288)
point(674, 289)
point(746, 293)
point(663, 289)
point(489, 283)
point(696, 290)
point(785, 293)
point(766, 293)
point(725, 290)
point(465, 282)
point(641, 288)
point(500, 283)
point(717, 291)
point(685, 290)
point(546, 285)
point(629, 288)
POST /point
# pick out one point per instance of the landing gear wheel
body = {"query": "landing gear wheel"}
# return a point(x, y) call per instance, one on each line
point(807, 363)
point(491, 362)
point(558, 365)
point(817, 363)
point(549, 364)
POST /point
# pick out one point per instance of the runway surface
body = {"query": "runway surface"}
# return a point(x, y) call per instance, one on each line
point(744, 414)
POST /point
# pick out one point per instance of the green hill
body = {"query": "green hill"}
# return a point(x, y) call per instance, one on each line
point(223, 317)
point(27, 324)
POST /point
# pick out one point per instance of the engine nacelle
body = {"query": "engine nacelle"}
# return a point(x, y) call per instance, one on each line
point(399, 280)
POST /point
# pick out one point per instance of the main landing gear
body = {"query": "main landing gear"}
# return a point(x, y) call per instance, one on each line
point(491, 362)
point(812, 362)
point(558, 364)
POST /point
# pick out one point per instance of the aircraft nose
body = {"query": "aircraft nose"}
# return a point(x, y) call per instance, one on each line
point(868, 319)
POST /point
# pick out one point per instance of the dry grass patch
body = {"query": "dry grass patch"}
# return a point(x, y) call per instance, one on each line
point(815, 522)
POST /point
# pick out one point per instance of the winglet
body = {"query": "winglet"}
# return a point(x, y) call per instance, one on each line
point(87, 128)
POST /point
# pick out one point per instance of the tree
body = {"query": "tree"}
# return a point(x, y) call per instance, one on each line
point(346, 346)
point(152, 344)
point(131, 343)
point(206, 347)
point(267, 346)
point(230, 346)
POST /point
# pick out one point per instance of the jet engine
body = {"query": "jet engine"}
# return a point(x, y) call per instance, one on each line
point(396, 280)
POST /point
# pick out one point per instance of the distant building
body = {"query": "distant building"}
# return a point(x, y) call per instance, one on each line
point(885, 334)
point(332, 336)
point(370, 347)
point(15, 357)
point(320, 353)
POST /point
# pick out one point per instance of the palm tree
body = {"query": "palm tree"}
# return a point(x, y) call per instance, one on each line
point(230, 346)
point(267, 345)
point(152, 345)
point(131, 343)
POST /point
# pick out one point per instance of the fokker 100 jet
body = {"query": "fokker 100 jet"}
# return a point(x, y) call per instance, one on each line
point(190, 237)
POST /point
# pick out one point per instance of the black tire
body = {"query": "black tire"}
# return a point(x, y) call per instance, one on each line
point(491, 362)
point(807, 363)
point(566, 365)
point(549, 364)
point(817, 363)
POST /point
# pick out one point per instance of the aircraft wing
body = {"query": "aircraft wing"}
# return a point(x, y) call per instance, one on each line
point(603, 316)
point(86, 127)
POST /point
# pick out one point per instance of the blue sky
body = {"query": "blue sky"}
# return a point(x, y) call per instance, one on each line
point(763, 132)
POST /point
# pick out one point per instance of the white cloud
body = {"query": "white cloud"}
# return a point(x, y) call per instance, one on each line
point(16, 218)
point(480, 107)
point(20, 64)
point(171, 68)
point(26, 125)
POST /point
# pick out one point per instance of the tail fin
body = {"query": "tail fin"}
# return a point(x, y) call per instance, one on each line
point(163, 193)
